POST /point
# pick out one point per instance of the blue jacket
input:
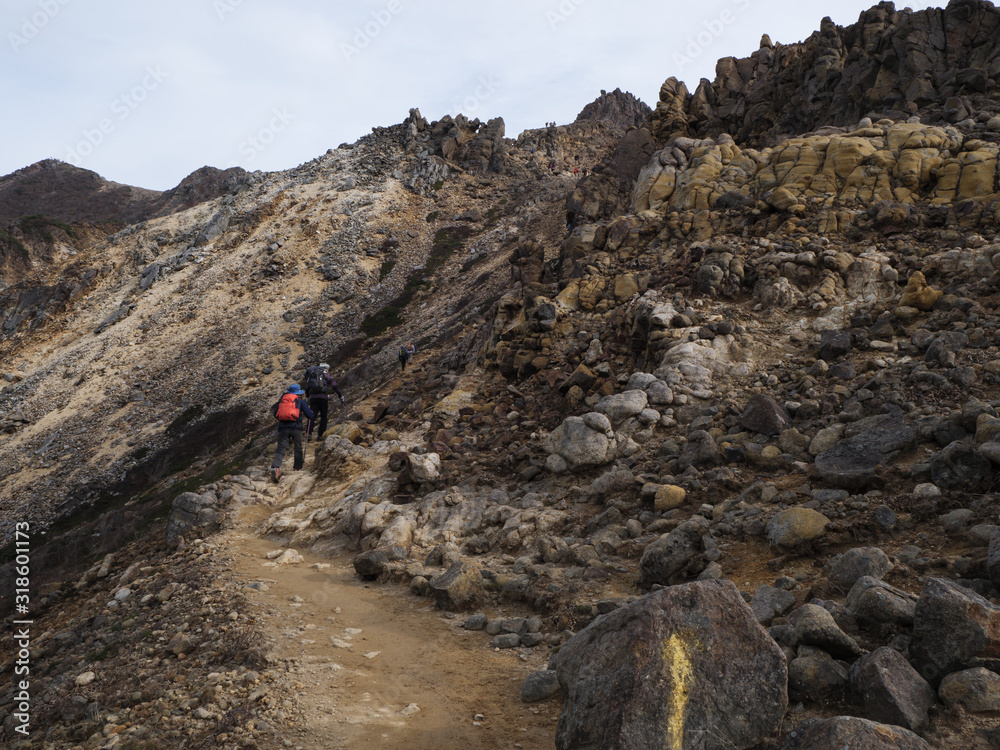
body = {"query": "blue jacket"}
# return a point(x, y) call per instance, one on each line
point(304, 411)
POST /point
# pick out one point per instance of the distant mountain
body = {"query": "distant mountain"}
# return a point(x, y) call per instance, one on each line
point(70, 194)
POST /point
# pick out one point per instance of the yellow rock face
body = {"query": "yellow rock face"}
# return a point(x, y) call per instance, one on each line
point(919, 294)
point(625, 286)
point(350, 431)
point(592, 292)
point(904, 162)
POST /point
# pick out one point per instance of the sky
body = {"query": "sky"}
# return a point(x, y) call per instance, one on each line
point(144, 93)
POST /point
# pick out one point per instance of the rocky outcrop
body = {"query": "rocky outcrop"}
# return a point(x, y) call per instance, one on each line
point(889, 165)
point(940, 61)
point(469, 144)
point(193, 515)
point(618, 108)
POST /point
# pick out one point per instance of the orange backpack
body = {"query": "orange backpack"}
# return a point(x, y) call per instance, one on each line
point(288, 408)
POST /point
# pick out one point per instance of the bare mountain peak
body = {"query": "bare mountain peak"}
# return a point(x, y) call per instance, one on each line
point(618, 107)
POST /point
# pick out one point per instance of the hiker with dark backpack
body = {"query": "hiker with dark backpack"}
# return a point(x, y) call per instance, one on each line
point(319, 383)
point(289, 412)
point(406, 354)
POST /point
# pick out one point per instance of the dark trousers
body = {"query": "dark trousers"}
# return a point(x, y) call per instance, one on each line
point(320, 407)
point(284, 435)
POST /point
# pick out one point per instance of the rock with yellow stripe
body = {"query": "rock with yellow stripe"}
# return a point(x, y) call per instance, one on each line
point(687, 667)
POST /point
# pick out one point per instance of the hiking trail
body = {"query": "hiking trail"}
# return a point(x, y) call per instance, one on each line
point(373, 665)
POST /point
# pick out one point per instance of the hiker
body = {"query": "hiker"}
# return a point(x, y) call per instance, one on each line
point(318, 384)
point(289, 412)
point(406, 354)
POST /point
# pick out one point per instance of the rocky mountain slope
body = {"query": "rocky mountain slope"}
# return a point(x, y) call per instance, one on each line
point(750, 364)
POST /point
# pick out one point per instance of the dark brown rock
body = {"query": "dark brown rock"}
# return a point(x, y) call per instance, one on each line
point(852, 462)
point(374, 563)
point(684, 667)
point(953, 629)
point(891, 691)
point(765, 415)
point(850, 733)
point(459, 588)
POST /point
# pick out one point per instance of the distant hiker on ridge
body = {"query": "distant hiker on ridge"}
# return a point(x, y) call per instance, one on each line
point(319, 383)
point(406, 354)
point(289, 412)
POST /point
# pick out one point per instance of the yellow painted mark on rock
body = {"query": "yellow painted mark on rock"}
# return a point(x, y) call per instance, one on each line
point(676, 653)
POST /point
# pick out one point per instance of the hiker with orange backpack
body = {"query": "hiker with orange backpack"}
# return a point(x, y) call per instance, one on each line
point(289, 412)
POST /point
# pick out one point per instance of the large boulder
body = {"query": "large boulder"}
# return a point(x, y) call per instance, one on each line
point(851, 733)
point(954, 628)
point(846, 569)
point(700, 451)
point(874, 601)
point(833, 344)
point(665, 559)
point(582, 442)
point(795, 526)
point(977, 689)
point(816, 676)
point(814, 626)
point(960, 466)
point(765, 415)
point(621, 406)
point(459, 588)
point(769, 602)
point(377, 562)
point(852, 462)
point(684, 667)
point(193, 515)
point(423, 467)
point(891, 691)
point(919, 293)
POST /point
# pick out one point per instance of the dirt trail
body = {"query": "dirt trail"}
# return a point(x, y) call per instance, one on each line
point(360, 656)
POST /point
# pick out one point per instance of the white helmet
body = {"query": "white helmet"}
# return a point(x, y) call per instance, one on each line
point(324, 366)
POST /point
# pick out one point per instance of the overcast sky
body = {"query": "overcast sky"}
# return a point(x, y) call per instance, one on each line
point(146, 92)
